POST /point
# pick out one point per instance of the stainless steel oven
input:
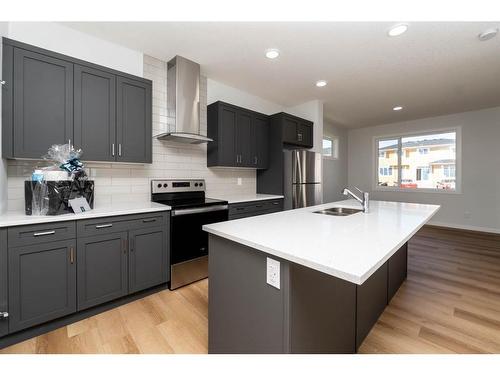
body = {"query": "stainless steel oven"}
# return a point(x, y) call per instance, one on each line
point(190, 211)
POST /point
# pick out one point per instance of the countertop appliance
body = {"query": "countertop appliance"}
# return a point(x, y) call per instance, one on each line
point(303, 178)
point(190, 211)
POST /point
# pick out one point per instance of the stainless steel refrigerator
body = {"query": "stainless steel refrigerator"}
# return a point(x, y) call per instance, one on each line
point(303, 178)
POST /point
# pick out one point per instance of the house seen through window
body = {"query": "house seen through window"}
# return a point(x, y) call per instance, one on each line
point(426, 161)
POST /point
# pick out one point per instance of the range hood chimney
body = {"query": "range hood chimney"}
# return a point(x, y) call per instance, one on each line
point(183, 101)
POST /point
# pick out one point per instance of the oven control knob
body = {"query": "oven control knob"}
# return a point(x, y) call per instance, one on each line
point(195, 184)
point(159, 185)
point(165, 185)
point(201, 183)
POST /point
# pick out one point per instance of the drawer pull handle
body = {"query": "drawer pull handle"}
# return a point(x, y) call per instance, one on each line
point(275, 203)
point(258, 205)
point(4, 315)
point(148, 220)
point(103, 226)
point(240, 208)
point(38, 234)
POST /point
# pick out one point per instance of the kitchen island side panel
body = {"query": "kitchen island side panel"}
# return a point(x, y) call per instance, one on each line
point(246, 315)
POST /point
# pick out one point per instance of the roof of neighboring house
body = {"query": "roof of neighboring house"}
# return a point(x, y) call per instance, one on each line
point(444, 161)
point(425, 142)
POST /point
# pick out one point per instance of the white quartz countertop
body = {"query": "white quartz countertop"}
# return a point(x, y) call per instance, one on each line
point(350, 247)
point(14, 218)
point(247, 197)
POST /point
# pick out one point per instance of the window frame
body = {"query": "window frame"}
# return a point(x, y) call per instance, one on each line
point(335, 147)
point(458, 161)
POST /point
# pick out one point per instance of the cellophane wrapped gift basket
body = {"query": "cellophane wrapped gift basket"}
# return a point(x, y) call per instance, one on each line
point(50, 188)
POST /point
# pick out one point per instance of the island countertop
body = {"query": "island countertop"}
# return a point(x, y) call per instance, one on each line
point(350, 247)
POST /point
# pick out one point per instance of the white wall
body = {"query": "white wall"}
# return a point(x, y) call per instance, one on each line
point(478, 204)
point(219, 91)
point(312, 111)
point(65, 40)
point(335, 170)
point(3, 163)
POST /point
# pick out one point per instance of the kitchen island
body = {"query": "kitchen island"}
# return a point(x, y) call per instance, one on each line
point(303, 282)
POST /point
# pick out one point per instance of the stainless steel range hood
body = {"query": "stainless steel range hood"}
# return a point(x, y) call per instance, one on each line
point(183, 101)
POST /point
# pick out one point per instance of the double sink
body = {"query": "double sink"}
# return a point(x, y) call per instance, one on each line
point(338, 211)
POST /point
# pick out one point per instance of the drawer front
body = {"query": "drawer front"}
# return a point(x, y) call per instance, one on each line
point(115, 224)
point(254, 208)
point(41, 233)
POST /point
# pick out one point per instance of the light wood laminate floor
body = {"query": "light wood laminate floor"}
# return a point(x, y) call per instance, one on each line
point(449, 304)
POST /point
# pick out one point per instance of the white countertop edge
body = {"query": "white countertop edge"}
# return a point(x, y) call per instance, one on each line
point(316, 266)
point(18, 219)
point(249, 198)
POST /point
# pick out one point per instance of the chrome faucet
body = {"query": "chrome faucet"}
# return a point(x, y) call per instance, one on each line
point(365, 201)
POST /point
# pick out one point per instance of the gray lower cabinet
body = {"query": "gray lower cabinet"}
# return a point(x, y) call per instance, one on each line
point(147, 259)
point(102, 269)
point(42, 89)
point(4, 305)
point(254, 208)
point(397, 270)
point(42, 283)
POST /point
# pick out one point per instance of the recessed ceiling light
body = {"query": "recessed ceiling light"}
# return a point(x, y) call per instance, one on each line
point(321, 83)
point(272, 53)
point(397, 108)
point(398, 29)
point(488, 34)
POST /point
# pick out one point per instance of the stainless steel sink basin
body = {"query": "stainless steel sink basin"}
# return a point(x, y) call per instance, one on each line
point(338, 211)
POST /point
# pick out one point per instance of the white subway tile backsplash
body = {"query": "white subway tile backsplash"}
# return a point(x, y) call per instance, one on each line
point(120, 182)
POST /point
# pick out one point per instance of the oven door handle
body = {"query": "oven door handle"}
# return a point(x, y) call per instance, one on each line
point(189, 211)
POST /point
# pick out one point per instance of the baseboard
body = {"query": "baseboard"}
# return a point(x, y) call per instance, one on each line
point(38, 330)
point(464, 227)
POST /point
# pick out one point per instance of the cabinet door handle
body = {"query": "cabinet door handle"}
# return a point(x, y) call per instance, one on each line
point(71, 255)
point(103, 226)
point(113, 149)
point(38, 234)
point(119, 149)
point(4, 314)
point(256, 160)
point(148, 220)
point(124, 246)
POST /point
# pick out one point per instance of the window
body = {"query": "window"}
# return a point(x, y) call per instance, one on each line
point(331, 147)
point(449, 171)
point(400, 163)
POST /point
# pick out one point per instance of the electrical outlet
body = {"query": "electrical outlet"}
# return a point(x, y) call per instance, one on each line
point(273, 273)
point(239, 181)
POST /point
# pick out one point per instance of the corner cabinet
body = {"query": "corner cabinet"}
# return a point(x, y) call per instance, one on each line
point(49, 98)
point(240, 137)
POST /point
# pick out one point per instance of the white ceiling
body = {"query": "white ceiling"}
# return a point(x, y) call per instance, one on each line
point(433, 69)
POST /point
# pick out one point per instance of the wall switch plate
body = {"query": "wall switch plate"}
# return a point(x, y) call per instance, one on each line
point(239, 181)
point(273, 273)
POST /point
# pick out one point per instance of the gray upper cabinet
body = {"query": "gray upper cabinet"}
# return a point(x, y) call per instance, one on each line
point(295, 130)
point(134, 132)
point(49, 98)
point(42, 283)
point(240, 137)
point(42, 104)
point(4, 306)
point(102, 269)
point(148, 252)
point(95, 113)
point(260, 139)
